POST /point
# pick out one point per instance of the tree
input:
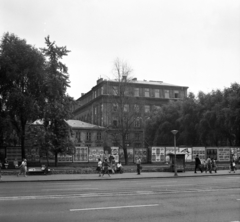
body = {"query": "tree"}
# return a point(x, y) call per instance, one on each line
point(21, 81)
point(122, 107)
point(57, 104)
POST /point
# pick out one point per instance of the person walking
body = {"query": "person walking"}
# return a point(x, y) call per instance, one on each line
point(105, 168)
point(209, 165)
point(99, 167)
point(214, 165)
point(23, 168)
point(138, 166)
point(197, 164)
point(232, 165)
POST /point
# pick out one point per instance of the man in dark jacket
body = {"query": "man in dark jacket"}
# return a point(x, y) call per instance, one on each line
point(197, 164)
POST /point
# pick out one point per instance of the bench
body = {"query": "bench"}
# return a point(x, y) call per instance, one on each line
point(38, 169)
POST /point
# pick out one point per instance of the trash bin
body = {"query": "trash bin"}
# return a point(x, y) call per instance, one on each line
point(180, 158)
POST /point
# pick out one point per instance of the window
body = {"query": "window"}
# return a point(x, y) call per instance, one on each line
point(166, 93)
point(157, 93)
point(115, 122)
point(137, 123)
point(137, 136)
point(126, 108)
point(146, 92)
point(88, 136)
point(147, 108)
point(115, 90)
point(176, 94)
point(78, 136)
point(102, 90)
point(136, 108)
point(99, 135)
point(114, 107)
point(126, 136)
point(136, 91)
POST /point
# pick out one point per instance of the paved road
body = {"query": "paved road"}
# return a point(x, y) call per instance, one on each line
point(193, 199)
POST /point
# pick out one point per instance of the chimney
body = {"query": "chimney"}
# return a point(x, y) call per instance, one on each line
point(124, 77)
point(99, 80)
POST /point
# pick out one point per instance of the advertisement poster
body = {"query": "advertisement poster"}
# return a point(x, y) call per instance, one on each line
point(65, 158)
point(158, 154)
point(200, 151)
point(81, 154)
point(224, 154)
point(130, 155)
point(114, 152)
point(142, 153)
point(95, 153)
point(236, 152)
point(188, 153)
point(211, 152)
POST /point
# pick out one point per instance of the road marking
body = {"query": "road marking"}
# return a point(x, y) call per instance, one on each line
point(83, 188)
point(169, 185)
point(117, 207)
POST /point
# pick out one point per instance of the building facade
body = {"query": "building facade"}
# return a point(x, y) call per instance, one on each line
point(99, 107)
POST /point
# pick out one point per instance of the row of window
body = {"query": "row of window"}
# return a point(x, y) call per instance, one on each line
point(136, 108)
point(88, 136)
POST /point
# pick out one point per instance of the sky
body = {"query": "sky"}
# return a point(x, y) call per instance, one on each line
point(194, 43)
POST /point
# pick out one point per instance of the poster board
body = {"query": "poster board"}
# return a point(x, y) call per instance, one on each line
point(236, 152)
point(65, 158)
point(158, 154)
point(81, 154)
point(95, 153)
point(200, 151)
point(212, 152)
point(142, 153)
point(188, 153)
point(224, 153)
point(130, 155)
point(115, 153)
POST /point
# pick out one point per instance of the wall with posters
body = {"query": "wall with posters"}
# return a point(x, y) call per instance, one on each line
point(224, 154)
point(169, 150)
point(142, 153)
point(236, 152)
point(200, 151)
point(115, 153)
point(81, 154)
point(211, 152)
point(188, 153)
point(95, 153)
point(65, 158)
point(130, 155)
point(158, 154)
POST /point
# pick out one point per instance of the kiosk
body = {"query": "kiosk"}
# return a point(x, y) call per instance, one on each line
point(180, 159)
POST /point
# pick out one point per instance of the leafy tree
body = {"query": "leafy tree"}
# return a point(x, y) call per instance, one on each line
point(21, 81)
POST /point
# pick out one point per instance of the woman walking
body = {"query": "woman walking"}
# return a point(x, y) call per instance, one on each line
point(105, 168)
point(23, 168)
point(232, 165)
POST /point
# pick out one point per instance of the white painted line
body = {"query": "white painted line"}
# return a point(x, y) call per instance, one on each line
point(112, 208)
point(83, 188)
point(169, 185)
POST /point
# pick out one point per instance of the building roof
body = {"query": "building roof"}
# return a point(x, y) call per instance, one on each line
point(80, 124)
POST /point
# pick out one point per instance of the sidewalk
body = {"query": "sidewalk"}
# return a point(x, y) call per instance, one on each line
point(94, 177)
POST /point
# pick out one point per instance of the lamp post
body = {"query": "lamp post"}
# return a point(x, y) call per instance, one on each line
point(174, 132)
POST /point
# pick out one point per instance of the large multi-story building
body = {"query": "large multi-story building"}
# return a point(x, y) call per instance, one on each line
point(98, 105)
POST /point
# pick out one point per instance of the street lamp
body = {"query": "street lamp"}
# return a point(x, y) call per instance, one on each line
point(174, 132)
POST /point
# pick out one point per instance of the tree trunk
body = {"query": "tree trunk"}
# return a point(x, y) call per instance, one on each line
point(23, 141)
point(125, 155)
point(56, 159)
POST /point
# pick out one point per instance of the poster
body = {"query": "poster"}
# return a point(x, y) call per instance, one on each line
point(142, 153)
point(81, 154)
point(65, 158)
point(158, 154)
point(188, 153)
point(211, 152)
point(95, 153)
point(130, 155)
point(224, 154)
point(200, 151)
point(236, 152)
point(114, 152)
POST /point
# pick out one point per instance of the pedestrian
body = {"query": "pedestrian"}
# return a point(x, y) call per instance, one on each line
point(232, 165)
point(214, 165)
point(23, 168)
point(209, 165)
point(197, 164)
point(105, 168)
point(99, 167)
point(139, 166)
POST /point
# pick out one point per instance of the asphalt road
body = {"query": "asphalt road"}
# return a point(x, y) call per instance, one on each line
point(171, 199)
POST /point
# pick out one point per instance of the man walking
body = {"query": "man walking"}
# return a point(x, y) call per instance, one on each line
point(197, 164)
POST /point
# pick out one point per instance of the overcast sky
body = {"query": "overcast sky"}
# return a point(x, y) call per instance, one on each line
point(188, 43)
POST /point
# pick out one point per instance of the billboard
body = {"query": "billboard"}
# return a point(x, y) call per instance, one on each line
point(188, 153)
point(95, 153)
point(81, 154)
point(158, 154)
point(200, 151)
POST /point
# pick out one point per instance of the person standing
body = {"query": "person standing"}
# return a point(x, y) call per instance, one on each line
point(209, 165)
point(23, 167)
point(232, 165)
point(138, 166)
point(214, 165)
point(105, 168)
point(197, 164)
point(99, 166)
